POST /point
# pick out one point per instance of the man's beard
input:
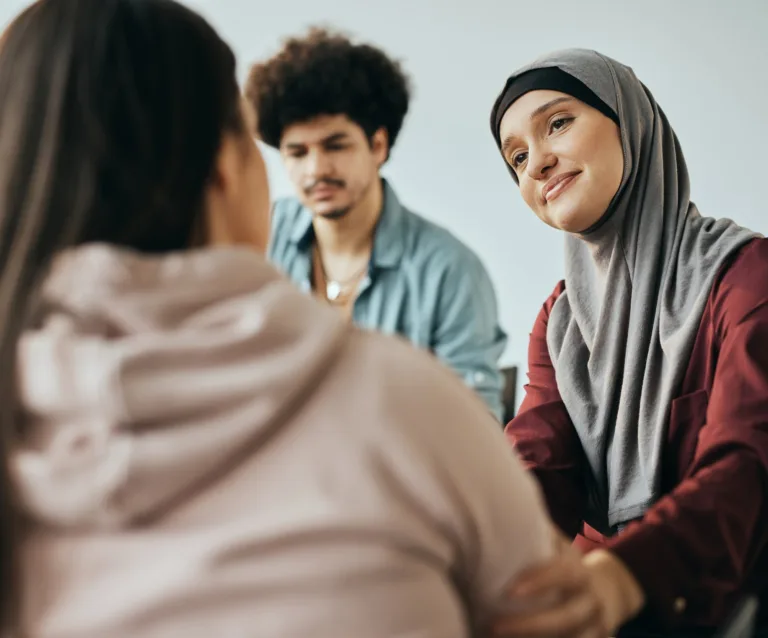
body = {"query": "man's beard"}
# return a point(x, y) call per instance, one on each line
point(336, 214)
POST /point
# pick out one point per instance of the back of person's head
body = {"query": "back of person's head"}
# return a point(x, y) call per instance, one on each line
point(324, 73)
point(112, 115)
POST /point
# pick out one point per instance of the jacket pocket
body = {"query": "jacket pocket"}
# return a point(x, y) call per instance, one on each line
point(688, 415)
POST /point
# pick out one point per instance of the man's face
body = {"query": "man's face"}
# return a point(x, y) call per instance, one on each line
point(332, 163)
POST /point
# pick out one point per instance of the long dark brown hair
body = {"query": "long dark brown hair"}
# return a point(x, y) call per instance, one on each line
point(111, 116)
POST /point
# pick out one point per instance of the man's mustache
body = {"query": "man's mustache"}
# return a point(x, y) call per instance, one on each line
point(325, 181)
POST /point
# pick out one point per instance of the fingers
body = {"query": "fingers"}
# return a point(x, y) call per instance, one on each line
point(577, 616)
point(597, 630)
point(563, 574)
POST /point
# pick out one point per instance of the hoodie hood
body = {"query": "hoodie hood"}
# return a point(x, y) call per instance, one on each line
point(147, 376)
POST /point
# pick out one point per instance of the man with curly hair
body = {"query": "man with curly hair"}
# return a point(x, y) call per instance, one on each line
point(334, 109)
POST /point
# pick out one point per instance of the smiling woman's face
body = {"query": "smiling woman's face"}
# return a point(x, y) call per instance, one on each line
point(567, 157)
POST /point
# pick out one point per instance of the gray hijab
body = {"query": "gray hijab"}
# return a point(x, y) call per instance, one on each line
point(621, 334)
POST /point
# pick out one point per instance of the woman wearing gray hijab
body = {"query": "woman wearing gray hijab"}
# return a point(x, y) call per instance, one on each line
point(646, 413)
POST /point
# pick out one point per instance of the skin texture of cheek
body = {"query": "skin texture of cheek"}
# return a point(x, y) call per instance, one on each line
point(299, 180)
point(569, 212)
point(529, 194)
point(587, 199)
point(356, 174)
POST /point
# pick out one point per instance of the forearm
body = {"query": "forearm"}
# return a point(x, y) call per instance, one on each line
point(478, 368)
point(544, 439)
point(564, 498)
point(488, 385)
point(616, 586)
point(693, 549)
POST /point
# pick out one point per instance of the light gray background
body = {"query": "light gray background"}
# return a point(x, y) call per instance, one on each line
point(706, 62)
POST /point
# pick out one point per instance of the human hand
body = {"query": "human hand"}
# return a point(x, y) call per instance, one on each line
point(573, 596)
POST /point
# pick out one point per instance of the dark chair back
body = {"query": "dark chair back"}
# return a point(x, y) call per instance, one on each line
point(509, 394)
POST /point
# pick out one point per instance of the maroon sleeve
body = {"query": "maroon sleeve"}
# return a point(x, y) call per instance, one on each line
point(694, 550)
point(543, 435)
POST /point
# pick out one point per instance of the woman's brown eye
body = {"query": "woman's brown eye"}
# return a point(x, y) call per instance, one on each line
point(559, 123)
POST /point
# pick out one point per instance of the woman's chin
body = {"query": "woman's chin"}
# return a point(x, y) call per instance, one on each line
point(573, 220)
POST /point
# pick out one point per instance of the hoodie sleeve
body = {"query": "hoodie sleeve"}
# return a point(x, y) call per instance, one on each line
point(450, 460)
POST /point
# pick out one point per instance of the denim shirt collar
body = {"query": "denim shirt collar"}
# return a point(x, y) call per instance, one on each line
point(389, 237)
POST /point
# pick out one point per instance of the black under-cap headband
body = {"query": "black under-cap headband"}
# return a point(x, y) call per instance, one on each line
point(546, 79)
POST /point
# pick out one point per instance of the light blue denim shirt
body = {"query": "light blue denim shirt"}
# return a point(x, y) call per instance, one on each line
point(422, 283)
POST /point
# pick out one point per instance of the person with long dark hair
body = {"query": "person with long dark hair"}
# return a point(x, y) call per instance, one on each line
point(191, 445)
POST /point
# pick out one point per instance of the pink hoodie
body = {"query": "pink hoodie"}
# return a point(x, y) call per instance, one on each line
point(212, 453)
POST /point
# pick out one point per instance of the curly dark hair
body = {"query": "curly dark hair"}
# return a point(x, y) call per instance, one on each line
point(324, 73)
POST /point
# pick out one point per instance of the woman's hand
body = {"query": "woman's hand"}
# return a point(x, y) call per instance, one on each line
point(573, 596)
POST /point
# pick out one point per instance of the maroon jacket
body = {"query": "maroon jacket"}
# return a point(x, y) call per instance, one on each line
point(704, 544)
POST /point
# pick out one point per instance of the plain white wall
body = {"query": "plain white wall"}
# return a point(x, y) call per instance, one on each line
point(705, 61)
